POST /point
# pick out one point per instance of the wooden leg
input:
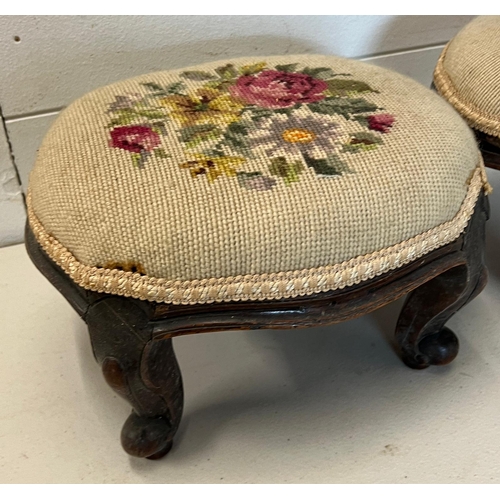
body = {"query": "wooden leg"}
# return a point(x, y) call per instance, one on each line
point(420, 331)
point(142, 370)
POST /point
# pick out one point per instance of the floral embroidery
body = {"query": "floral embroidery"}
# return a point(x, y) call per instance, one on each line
point(362, 141)
point(280, 135)
point(137, 139)
point(294, 117)
point(381, 123)
point(207, 106)
point(134, 138)
point(213, 167)
point(288, 171)
point(256, 181)
point(278, 89)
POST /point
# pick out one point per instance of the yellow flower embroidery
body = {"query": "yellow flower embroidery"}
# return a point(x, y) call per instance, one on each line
point(213, 167)
point(250, 69)
point(208, 106)
point(300, 135)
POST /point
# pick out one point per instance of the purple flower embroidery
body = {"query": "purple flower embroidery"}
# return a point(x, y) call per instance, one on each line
point(282, 135)
point(255, 181)
point(278, 89)
point(124, 102)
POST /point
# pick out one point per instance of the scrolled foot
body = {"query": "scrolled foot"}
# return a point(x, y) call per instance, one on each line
point(439, 348)
point(420, 332)
point(146, 437)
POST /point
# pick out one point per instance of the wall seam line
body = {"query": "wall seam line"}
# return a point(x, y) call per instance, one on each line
point(12, 156)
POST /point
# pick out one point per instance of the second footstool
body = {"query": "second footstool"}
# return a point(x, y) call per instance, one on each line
point(468, 77)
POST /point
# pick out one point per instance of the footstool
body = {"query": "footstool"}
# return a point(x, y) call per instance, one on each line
point(468, 77)
point(277, 192)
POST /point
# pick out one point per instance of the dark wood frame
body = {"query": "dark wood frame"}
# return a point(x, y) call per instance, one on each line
point(132, 339)
point(490, 149)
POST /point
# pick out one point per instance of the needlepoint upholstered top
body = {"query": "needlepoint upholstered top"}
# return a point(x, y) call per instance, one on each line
point(468, 74)
point(251, 179)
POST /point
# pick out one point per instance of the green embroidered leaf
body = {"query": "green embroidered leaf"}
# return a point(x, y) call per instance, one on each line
point(211, 85)
point(159, 91)
point(329, 166)
point(342, 106)
point(251, 69)
point(328, 74)
point(322, 73)
point(314, 71)
point(366, 138)
point(222, 85)
point(362, 141)
point(195, 134)
point(236, 141)
point(285, 111)
point(152, 114)
point(159, 127)
point(234, 137)
point(362, 119)
point(259, 113)
point(175, 88)
point(153, 86)
point(140, 159)
point(160, 153)
point(197, 76)
point(237, 128)
point(136, 160)
point(126, 113)
point(287, 68)
point(122, 120)
point(288, 171)
point(227, 71)
point(346, 87)
point(216, 152)
point(127, 116)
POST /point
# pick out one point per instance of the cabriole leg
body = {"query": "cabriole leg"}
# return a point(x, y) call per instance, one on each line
point(420, 332)
point(142, 370)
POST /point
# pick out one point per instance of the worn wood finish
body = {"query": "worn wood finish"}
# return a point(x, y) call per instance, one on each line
point(420, 331)
point(141, 369)
point(132, 339)
point(490, 149)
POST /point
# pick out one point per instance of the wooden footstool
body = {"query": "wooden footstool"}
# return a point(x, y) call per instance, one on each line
point(468, 77)
point(283, 192)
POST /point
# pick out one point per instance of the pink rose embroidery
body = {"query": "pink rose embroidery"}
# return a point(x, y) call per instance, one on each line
point(380, 123)
point(134, 138)
point(278, 89)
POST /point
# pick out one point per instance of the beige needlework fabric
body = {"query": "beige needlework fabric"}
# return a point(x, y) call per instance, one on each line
point(468, 74)
point(251, 179)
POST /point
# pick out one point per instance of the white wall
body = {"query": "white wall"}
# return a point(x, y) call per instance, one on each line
point(59, 58)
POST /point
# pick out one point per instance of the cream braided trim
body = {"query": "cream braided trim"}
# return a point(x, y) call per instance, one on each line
point(259, 286)
point(478, 119)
